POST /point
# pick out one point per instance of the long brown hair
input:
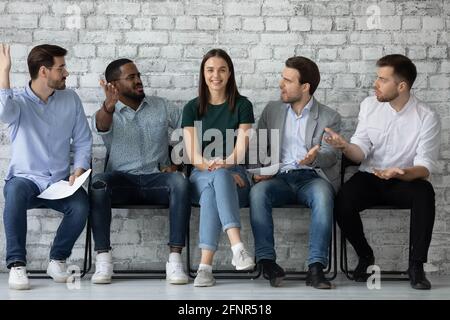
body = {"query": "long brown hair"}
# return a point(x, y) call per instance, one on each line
point(203, 90)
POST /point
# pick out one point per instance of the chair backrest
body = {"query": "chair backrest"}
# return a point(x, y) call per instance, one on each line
point(345, 163)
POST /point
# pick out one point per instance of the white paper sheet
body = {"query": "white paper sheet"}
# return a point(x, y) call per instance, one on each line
point(61, 189)
point(265, 171)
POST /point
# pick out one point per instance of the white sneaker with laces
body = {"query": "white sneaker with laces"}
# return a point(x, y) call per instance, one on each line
point(175, 273)
point(18, 279)
point(242, 260)
point(58, 271)
point(103, 268)
point(204, 279)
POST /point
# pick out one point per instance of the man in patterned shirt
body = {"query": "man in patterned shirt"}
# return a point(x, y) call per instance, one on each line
point(134, 128)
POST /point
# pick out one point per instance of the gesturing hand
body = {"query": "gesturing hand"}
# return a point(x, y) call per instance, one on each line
point(112, 95)
point(334, 139)
point(310, 156)
point(389, 173)
point(5, 58)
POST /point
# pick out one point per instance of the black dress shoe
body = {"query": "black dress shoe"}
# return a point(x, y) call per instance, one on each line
point(417, 277)
point(272, 271)
point(360, 274)
point(316, 278)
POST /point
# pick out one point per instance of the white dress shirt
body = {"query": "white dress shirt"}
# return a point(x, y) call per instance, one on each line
point(402, 139)
point(294, 147)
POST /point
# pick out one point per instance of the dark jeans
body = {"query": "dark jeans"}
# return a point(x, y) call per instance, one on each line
point(21, 195)
point(170, 189)
point(364, 190)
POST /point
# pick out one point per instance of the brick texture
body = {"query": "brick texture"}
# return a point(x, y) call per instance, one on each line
point(167, 39)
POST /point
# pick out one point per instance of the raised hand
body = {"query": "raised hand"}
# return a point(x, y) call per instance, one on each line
point(112, 95)
point(310, 156)
point(5, 58)
point(5, 65)
point(334, 139)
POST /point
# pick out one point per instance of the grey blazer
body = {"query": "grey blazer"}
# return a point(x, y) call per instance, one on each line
point(320, 117)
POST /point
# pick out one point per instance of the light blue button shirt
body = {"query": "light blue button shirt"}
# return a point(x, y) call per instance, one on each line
point(294, 146)
point(43, 134)
point(138, 141)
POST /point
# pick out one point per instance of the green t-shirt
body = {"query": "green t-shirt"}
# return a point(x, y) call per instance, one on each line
point(218, 117)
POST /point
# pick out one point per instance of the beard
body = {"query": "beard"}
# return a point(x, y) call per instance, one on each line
point(134, 96)
point(290, 100)
point(57, 84)
point(387, 97)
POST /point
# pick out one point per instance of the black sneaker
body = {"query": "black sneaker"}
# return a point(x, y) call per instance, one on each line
point(316, 277)
point(417, 277)
point(360, 274)
point(272, 271)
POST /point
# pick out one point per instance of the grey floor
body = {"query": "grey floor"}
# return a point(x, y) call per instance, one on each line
point(43, 289)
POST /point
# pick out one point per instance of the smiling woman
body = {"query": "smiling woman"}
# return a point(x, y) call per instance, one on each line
point(219, 183)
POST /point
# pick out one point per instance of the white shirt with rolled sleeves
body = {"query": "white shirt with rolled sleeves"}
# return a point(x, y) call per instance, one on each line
point(402, 139)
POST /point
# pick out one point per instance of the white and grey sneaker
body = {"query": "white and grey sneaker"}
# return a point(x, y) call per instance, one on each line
point(243, 261)
point(175, 273)
point(204, 279)
point(18, 279)
point(58, 271)
point(103, 268)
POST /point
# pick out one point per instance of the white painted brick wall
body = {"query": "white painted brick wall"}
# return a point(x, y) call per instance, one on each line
point(167, 39)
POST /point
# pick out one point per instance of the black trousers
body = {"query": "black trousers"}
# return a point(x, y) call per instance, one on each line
point(364, 190)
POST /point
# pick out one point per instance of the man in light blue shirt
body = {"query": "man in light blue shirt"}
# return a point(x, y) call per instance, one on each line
point(308, 170)
point(46, 123)
point(134, 128)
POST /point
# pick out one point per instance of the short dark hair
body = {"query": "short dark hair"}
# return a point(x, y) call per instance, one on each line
point(403, 67)
point(112, 71)
point(309, 72)
point(203, 90)
point(43, 55)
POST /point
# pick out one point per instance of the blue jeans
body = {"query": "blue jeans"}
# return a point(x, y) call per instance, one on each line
point(220, 198)
point(299, 186)
point(121, 188)
point(21, 195)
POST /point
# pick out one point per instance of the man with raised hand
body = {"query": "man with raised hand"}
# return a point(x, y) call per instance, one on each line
point(134, 128)
point(46, 123)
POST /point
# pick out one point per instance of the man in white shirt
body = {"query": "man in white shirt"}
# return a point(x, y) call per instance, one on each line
point(397, 143)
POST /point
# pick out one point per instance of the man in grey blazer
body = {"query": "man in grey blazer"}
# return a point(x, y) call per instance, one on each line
point(308, 170)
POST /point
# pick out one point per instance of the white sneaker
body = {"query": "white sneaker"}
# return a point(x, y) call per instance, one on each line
point(242, 260)
point(58, 271)
point(175, 273)
point(103, 268)
point(18, 279)
point(204, 279)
